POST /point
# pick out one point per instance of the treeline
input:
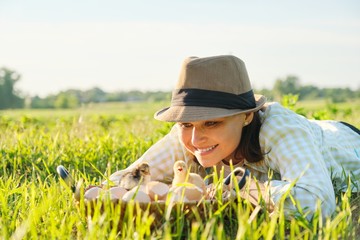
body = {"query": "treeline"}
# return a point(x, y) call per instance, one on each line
point(75, 98)
point(10, 97)
point(292, 85)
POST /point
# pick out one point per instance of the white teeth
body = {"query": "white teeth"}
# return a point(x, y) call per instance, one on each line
point(206, 149)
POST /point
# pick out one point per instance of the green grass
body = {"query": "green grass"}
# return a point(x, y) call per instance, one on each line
point(323, 109)
point(104, 138)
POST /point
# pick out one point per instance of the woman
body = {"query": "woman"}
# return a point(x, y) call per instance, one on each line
point(220, 122)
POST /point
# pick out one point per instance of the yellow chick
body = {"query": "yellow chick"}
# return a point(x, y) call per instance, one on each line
point(139, 175)
point(181, 175)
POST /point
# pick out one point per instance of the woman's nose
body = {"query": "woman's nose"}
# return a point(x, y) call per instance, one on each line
point(198, 136)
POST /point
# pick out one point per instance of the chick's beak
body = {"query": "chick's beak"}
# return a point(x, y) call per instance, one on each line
point(180, 169)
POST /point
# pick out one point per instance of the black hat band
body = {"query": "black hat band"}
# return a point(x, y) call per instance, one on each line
point(215, 99)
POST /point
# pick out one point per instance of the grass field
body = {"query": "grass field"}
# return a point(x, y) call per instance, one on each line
point(96, 140)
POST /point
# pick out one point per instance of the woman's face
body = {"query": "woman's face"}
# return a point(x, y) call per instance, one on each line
point(214, 140)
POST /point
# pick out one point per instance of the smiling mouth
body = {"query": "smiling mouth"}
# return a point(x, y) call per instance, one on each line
point(205, 150)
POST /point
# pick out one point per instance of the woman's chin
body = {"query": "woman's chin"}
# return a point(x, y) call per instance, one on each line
point(207, 163)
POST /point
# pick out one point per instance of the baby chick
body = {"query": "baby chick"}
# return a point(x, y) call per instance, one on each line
point(139, 175)
point(181, 175)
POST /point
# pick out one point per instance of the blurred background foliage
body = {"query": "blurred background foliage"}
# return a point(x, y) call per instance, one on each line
point(12, 98)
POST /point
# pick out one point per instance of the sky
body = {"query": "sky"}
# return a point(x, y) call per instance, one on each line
point(121, 45)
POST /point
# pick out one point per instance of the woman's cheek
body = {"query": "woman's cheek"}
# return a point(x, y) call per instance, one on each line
point(183, 137)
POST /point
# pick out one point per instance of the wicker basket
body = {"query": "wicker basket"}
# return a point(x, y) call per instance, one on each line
point(160, 211)
point(251, 192)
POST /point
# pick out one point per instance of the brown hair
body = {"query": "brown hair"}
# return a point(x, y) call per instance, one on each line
point(249, 146)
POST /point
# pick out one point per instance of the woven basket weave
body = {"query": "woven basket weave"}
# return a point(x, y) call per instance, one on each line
point(160, 211)
point(253, 192)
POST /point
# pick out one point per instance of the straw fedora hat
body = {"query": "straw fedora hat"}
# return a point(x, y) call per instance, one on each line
point(209, 88)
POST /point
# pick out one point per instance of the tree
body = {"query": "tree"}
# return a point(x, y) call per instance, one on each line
point(93, 95)
point(289, 85)
point(66, 100)
point(309, 92)
point(8, 95)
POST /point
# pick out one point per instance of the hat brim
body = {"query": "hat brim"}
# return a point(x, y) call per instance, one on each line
point(195, 113)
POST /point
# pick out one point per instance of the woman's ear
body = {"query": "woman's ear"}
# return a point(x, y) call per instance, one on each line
point(248, 118)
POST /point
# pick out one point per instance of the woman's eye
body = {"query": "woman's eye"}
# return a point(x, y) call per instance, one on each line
point(185, 125)
point(211, 124)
